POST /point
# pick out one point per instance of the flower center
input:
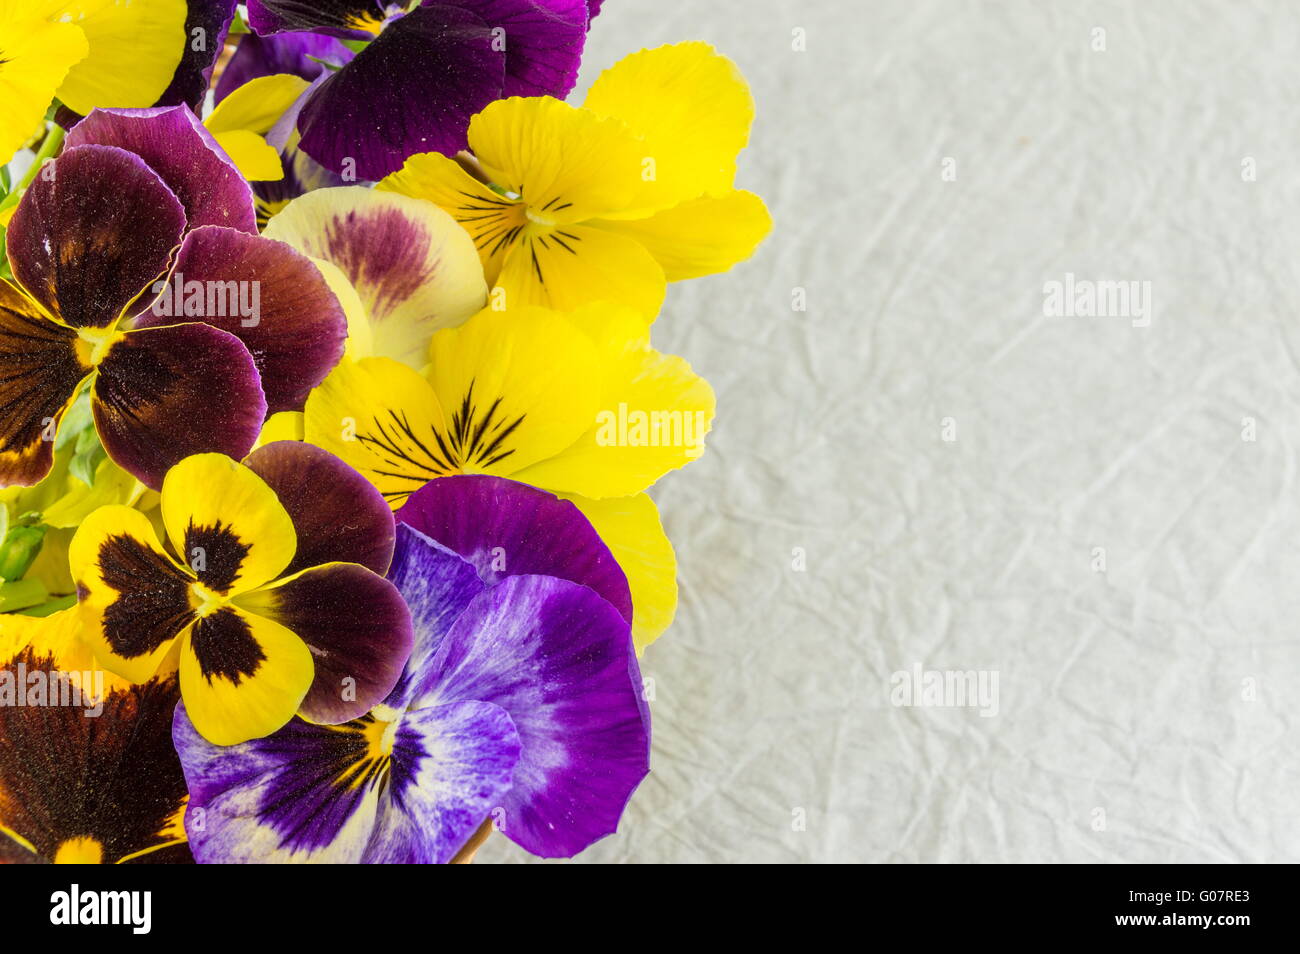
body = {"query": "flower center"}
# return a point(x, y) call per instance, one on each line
point(79, 851)
point(537, 218)
point(93, 344)
point(381, 732)
point(204, 601)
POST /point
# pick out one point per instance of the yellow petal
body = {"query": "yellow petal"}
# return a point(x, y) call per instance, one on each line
point(701, 236)
point(242, 676)
point(133, 600)
point(284, 426)
point(653, 414)
point(36, 57)
point(565, 268)
point(492, 221)
point(257, 161)
point(60, 636)
point(360, 343)
point(517, 388)
point(693, 108)
point(414, 268)
point(383, 419)
point(567, 164)
point(631, 528)
point(135, 47)
point(257, 105)
point(226, 523)
point(112, 485)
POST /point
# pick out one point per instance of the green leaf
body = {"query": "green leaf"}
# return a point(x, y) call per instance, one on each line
point(22, 594)
point(76, 423)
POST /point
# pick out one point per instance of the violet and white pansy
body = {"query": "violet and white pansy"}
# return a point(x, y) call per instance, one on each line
point(521, 704)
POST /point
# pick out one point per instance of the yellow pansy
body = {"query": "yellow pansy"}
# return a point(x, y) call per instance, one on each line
point(87, 53)
point(270, 610)
point(609, 201)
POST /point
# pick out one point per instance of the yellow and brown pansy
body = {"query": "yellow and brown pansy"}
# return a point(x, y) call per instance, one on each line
point(265, 606)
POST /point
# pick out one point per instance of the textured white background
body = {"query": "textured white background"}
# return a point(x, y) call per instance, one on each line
point(1120, 690)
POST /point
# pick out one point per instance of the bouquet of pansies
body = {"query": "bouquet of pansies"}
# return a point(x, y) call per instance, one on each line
point(328, 408)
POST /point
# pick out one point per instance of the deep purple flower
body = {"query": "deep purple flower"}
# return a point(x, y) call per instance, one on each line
point(521, 703)
point(426, 71)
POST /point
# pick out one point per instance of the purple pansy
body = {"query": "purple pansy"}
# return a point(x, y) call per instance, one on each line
point(521, 703)
point(427, 70)
point(138, 271)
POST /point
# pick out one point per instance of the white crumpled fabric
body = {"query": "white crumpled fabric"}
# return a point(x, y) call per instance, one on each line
point(1146, 713)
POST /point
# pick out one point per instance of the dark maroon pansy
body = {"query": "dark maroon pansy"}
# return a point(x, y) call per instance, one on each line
point(252, 326)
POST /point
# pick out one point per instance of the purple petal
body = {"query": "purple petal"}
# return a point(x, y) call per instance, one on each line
point(339, 515)
point(452, 766)
point(437, 585)
point(172, 141)
point(162, 394)
point(412, 90)
point(506, 528)
point(296, 53)
point(559, 659)
point(88, 237)
point(278, 798)
point(359, 633)
point(190, 81)
point(543, 42)
point(265, 293)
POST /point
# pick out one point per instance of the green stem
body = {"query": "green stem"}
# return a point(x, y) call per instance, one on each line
point(53, 142)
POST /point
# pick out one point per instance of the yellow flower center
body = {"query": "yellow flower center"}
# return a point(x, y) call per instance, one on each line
point(204, 601)
point(79, 851)
point(537, 218)
point(93, 344)
point(381, 733)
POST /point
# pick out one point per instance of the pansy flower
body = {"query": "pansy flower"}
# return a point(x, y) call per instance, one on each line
point(427, 68)
point(415, 269)
point(521, 704)
point(276, 604)
point(611, 200)
point(578, 404)
point(75, 50)
point(185, 349)
point(88, 773)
